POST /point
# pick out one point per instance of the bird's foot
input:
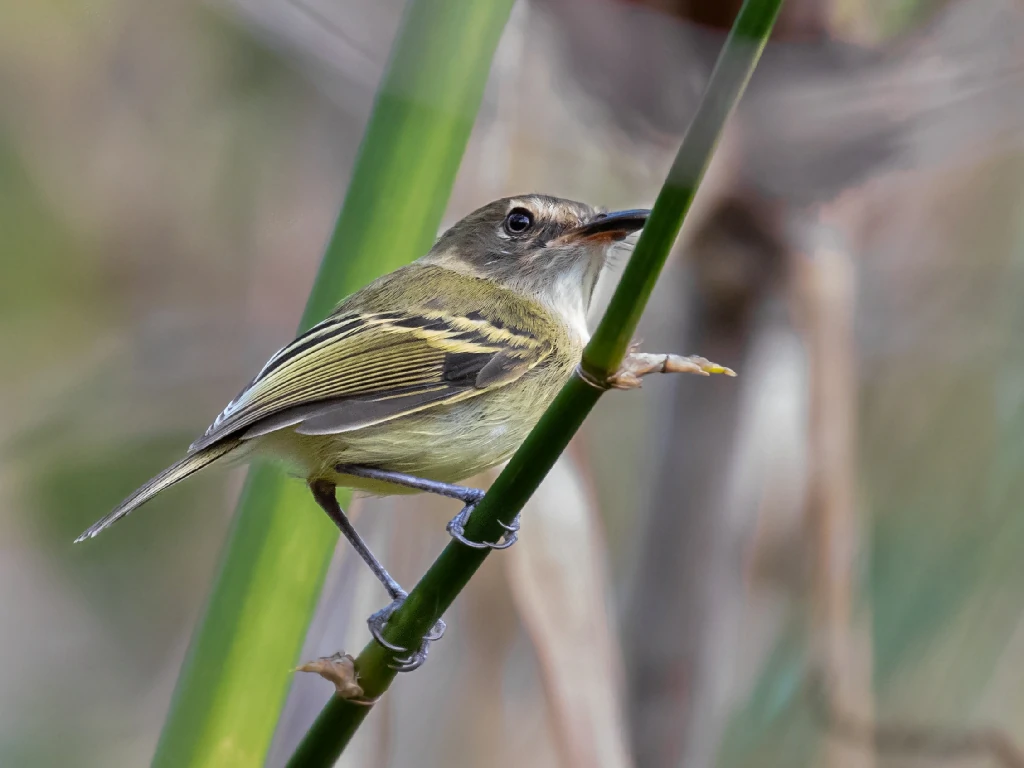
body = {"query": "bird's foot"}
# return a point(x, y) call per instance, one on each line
point(404, 660)
point(457, 529)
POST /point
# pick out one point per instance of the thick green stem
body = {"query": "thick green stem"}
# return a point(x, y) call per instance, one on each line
point(236, 677)
point(442, 583)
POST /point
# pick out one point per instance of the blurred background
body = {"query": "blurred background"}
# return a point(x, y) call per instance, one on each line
point(818, 563)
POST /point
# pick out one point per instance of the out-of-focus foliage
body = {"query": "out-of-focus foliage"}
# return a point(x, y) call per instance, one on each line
point(273, 565)
point(169, 175)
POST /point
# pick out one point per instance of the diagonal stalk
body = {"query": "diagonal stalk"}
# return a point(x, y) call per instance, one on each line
point(236, 676)
point(438, 588)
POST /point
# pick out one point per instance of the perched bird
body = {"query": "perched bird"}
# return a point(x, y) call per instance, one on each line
point(430, 374)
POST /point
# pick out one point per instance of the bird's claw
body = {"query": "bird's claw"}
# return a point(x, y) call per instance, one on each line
point(457, 529)
point(404, 660)
point(411, 661)
point(513, 528)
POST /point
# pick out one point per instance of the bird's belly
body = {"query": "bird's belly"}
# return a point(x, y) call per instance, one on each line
point(446, 444)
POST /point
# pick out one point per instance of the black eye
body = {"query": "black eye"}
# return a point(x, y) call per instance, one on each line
point(519, 220)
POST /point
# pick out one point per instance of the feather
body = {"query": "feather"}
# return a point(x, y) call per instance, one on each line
point(176, 472)
point(398, 376)
point(363, 366)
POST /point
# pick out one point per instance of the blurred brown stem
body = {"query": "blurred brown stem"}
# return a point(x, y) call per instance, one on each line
point(842, 641)
point(911, 740)
point(686, 598)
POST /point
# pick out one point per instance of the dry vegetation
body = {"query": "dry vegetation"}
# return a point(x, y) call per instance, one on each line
point(851, 511)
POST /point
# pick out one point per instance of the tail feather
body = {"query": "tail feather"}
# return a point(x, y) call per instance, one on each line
point(178, 471)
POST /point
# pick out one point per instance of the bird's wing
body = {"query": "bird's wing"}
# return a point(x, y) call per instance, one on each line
point(360, 368)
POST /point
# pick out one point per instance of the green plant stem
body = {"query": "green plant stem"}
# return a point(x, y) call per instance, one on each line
point(236, 676)
point(438, 588)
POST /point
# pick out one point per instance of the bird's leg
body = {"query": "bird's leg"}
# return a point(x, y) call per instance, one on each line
point(324, 493)
point(470, 497)
point(639, 364)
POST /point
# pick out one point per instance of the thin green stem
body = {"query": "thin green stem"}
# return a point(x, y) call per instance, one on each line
point(236, 676)
point(728, 80)
point(441, 584)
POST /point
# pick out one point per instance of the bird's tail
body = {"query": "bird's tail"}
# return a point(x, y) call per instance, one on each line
point(179, 471)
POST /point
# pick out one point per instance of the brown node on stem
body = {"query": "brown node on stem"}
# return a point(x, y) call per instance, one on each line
point(340, 669)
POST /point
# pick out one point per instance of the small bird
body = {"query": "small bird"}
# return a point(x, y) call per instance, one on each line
point(430, 374)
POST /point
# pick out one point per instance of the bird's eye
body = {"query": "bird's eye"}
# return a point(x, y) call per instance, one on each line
point(518, 221)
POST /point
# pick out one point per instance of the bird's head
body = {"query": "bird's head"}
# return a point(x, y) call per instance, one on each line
point(545, 247)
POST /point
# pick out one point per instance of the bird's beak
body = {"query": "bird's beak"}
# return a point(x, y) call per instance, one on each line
point(609, 226)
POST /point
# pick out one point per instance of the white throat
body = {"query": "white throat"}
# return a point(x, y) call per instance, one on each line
point(568, 294)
